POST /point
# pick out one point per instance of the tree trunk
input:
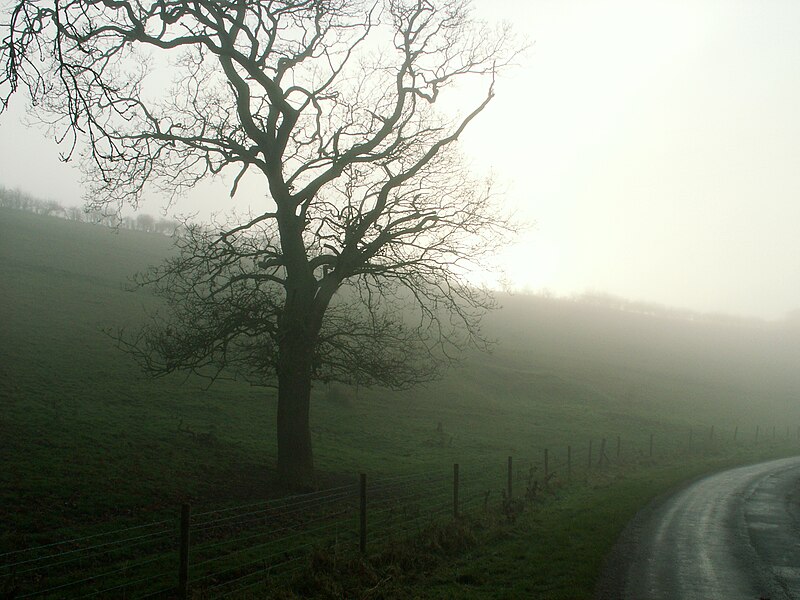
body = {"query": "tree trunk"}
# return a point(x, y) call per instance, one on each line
point(295, 457)
point(299, 325)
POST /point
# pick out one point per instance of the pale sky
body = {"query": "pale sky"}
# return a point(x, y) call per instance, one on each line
point(656, 144)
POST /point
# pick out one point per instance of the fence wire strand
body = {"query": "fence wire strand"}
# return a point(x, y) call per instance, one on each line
point(89, 557)
point(252, 562)
point(129, 583)
point(87, 549)
point(284, 499)
point(92, 578)
point(81, 539)
point(295, 507)
point(298, 533)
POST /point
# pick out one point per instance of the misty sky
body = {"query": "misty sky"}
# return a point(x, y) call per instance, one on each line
point(655, 144)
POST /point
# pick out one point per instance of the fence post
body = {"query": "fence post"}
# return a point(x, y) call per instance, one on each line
point(619, 447)
point(651, 445)
point(589, 462)
point(735, 432)
point(546, 467)
point(455, 491)
point(569, 461)
point(756, 434)
point(602, 452)
point(183, 562)
point(509, 479)
point(362, 540)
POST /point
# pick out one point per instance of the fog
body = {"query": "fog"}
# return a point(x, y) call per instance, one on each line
point(653, 145)
point(647, 328)
point(652, 356)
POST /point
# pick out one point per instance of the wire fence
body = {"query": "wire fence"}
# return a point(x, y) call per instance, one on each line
point(141, 558)
point(231, 551)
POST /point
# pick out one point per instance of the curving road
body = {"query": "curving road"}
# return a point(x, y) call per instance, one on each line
point(734, 534)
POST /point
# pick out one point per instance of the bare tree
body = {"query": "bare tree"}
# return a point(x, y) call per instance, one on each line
point(16, 198)
point(166, 226)
point(331, 103)
point(99, 216)
point(145, 222)
point(74, 213)
point(50, 207)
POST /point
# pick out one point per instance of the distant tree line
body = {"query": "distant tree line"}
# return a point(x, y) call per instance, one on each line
point(20, 200)
point(610, 301)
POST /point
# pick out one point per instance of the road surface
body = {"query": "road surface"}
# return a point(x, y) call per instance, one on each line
point(731, 535)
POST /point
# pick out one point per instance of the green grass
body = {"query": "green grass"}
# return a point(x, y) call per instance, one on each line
point(87, 440)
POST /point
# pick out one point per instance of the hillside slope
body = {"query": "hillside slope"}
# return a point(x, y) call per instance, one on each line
point(85, 436)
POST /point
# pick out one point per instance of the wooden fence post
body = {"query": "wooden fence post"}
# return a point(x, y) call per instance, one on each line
point(183, 562)
point(362, 539)
point(546, 467)
point(602, 452)
point(569, 460)
point(735, 432)
point(510, 477)
point(455, 491)
point(651, 445)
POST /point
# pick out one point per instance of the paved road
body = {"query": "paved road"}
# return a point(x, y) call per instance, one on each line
point(732, 535)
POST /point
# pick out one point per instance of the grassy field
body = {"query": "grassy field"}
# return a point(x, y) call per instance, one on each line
point(86, 439)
